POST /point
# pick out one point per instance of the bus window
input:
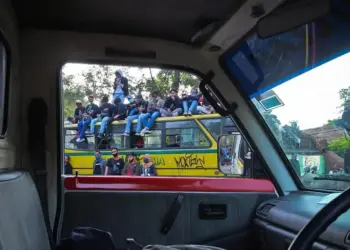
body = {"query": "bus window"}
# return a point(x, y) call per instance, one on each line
point(213, 126)
point(185, 134)
point(69, 140)
point(153, 140)
point(117, 139)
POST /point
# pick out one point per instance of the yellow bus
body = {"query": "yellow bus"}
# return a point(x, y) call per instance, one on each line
point(179, 146)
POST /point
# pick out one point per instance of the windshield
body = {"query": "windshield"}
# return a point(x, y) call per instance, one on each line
point(299, 81)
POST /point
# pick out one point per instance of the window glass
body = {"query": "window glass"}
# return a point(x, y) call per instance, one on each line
point(298, 81)
point(171, 132)
point(185, 134)
point(214, 126)
point(153, 140)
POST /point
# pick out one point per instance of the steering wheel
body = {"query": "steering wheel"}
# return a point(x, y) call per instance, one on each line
point(320, 222)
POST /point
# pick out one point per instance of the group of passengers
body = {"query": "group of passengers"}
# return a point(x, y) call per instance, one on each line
point(145, 112)
point(116, 165)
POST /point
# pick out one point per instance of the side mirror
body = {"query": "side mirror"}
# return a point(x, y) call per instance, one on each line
point(229, 154)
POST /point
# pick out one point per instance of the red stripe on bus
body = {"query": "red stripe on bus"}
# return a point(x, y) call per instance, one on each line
point(189, 184)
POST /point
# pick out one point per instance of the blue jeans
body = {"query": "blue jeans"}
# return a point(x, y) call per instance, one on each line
point(150, 118)
point(120, 95)
point(132, 111)
point(192, 108)
point(129, 122)
point(141, 122)
point(104, 122)
point(82, 126)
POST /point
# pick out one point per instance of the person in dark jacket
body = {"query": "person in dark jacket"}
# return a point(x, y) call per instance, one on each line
point(119, 110)
point(106, 111)
point(90, 113)
point(141, 108)
point(190, 102)
point(132, 167)
point(99, 164)
point(68, 169)
point(121, 86)
point(115, 165)
point(148, 168)
point(78, 112)
point(172, 105)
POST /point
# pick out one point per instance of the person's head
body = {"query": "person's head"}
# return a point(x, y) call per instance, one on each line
point(104, 99)
point(66, 159)
point(130, 99)
point(131, 157)
point(98, 155)
point(118, 73)
point(117, 101)
point(114, 152)
point(91, 98)
point(194, 91)
point(155, 94)
point(78, 103)
point(139, 98)
point(147, 158)
point(173, 93)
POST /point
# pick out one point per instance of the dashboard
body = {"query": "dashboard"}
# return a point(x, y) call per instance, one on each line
point(279, 220)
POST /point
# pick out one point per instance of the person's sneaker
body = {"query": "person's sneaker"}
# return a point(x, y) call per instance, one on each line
point(189, 113)
point(145, 131)
point(78, 140)
point(81, 140)
point(99, 136)
point(137, 134)
point(126, 134)
point(185, 114)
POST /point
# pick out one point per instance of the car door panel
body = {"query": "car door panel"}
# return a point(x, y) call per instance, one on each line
point(127, 211)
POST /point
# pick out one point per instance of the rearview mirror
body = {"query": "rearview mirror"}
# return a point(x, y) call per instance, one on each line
point(229, 152)
point(291, 15)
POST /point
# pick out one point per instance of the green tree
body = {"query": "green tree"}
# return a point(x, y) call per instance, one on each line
point(71, 93)
point(339, 146)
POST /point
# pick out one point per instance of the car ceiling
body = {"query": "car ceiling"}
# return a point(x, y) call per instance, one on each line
point(174, 20)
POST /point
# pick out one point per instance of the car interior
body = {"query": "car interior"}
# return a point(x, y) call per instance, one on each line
point(235, 48)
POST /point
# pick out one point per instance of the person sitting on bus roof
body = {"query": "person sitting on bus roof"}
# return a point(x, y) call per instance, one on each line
point(132, 167)
point(153, 112)
point(106, 113)
point(172, 105)
point(190, 102)
point(205, 107)
point(148, 168)
point(131, 107)
point(91, 112)
point(119, 112)
point(141, 108)
point(78, 113)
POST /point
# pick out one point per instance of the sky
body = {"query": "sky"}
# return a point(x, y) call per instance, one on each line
point(313, 97)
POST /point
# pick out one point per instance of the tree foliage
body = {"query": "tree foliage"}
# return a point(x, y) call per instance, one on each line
point(339, 146)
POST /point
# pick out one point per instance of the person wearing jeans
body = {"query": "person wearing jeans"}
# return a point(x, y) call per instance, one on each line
point(91, 112)
point(106, 114)
point(140, 109)
point(172, 105)
point(190, 102)
point(121, 88)
point(153, 112)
